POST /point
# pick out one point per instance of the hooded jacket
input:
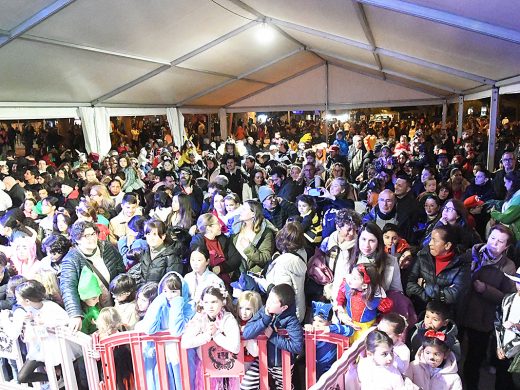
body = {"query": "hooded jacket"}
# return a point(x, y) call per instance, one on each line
point(287, 320)
point(445, 378)
point(450, 330)
point(168, 260)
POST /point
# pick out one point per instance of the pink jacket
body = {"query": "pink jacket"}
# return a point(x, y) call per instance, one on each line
point(444, 379)
point(374, 377)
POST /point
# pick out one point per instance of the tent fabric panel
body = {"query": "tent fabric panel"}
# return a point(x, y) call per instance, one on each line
point(350, 87)
point(285, 68)
point(161, 29)
point(482, 10)
point(15, 12)
point(168, 87)
point(427, 74)
point(460, 49)
point(39, 72)
point(24, 113)
point(226, 94)
point(510, 89)
point(418, 86)
point(332, 47)
point(306, 89)
point(335, 16)
point(229, 56)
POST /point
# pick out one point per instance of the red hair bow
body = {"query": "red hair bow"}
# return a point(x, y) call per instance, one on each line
point(436, 335)
point(366, 278)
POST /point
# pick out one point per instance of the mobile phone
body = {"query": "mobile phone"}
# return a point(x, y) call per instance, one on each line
point(315, 192)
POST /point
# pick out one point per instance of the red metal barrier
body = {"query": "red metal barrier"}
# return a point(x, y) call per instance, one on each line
point(311, 338)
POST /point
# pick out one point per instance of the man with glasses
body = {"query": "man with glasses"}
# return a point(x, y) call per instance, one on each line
point(384, 212)
point(508, 161)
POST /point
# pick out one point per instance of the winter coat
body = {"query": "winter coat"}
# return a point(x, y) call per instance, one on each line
point(71, 267)
point(291, 269)
point(448, 286)
point(510, 214)
point(287, 320)
point(446, 378)
point(450, 330)
point(374, 377)
point(233, 258)
point(329, 208)
point(167, 260)
point(288, 190)
point(198, 284)
point(281, 213)
point(507, 339)
point(259, 253)
point(485, 192)
point(391, 278)
point(478, 311)
point(119, 224)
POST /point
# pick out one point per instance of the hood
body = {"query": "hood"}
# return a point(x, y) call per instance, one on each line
point(185, 291)
point(450, 363)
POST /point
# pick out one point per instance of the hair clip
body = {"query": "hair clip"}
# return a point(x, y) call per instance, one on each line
point(435, 335)
point(362, 269)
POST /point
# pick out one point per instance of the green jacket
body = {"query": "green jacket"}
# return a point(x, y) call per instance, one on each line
point(511, 216)
point(260, 251)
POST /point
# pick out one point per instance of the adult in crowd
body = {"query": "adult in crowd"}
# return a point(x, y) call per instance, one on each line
point(331, 201)
point(508, 161)
point(189, 187)
point(509, 213)
point(407, 207)
point(101, 257)
point(284, 186)
point(129, 207)
point(482, 186)
point(276, 210)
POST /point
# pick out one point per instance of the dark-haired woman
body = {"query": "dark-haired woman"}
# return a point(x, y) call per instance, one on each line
point(510, 212)
point(439, 271)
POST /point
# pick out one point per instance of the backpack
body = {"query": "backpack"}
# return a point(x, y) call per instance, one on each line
point(318, 270)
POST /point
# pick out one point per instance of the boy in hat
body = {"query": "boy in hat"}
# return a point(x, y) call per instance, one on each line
point(89, 292)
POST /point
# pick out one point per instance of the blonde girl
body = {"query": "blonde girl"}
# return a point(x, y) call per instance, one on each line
point(49, 279)
point(248, 305)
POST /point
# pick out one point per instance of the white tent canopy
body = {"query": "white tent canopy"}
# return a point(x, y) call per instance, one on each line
point(135, 56)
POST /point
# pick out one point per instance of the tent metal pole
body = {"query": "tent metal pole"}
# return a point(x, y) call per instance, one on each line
point(460, 116)
point(222, 118)
point(326, 102)
point(493, 117)
point(444, 114)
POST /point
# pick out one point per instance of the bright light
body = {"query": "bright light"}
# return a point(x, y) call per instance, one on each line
point(265, 33)
point(261, 118)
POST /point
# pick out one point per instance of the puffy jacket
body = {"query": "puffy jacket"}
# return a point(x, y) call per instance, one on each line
point(169, 260)
point(287, 320)
point(450, 330)
point(448, 286)
point(446, 378)
point(71, 267)
point(233, 258)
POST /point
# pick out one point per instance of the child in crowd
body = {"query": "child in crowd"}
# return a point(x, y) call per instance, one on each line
point(232, 205)
point(144, 296)
point(248, 304)
point(34, 311)
point(200, 277)
point(169, 311)
point(216, 322)
point(435, 366)
point(326, 353)
point(56, 247)
point(360, 298)
point(123, 289)
point(397, 246)
point(436, 319)
point(108, 323)
point(89, 293)
point(134, 239)
point(310, 220)
point(47, 277)
point(279, 313)
point(394, 325)
point(376, 370)
point(430, 188)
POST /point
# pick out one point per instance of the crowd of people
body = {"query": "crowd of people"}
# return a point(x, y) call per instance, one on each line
point(393, 234)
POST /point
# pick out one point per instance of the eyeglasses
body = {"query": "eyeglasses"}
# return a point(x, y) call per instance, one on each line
point(89, 235)
point(450, 209)
point(504, 159)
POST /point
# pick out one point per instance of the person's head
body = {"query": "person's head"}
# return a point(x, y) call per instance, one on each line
point(280, 298)
point(508, 161)
point(213, 300)
point(217, 201)
point(364, 278)
point(251, 211)
point(306, 204)
point(258, 176)
point(290, 238)
point(309, 171)
point(231, 163)
point(181, 204)
point(248, 305)
point(124, 162)
point(83, 235)
point(322, 313)
point(123, 288)
point(482, 176)
point(338, 170)
point(61, 222)
point(144, 296)
point(454, 212)
point(430, 185)
point(444, 191)
point(129, 205)
point(114, 187)
point(209, 225)
point(435, 349)
point(402, 186)
point(87, 211)
point(171, 286)
point(49, 280)
point(499, 240)
point(380, 348)
point(30, 294)
point(370, 244)
point(155, 233)
point(185, 176)
point(310, 156)
point(162, 200)
point(108, 322)
point(231, 202)
point(56, 246)
point(90, 176)
point(394, 325)
point(338, 187)
point(136, 226)
point(267, 197)
point(390, 235)
point(347, 223)
point(278, 175)
point(432, 205)
point(199, 259)
point(426, 173)
point(295, 172)
point(443, 240)
point(511, 183)
point(49, 205)
point(386, 201)
point(436, 316)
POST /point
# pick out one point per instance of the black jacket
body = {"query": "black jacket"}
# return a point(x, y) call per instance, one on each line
point(166, 261)
point(281, 213)
point(71, 267)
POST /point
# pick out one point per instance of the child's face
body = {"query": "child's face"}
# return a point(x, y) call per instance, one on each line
point(303, 208)
point(389, 329)
point(430, 186)
point(383, 355)
point(434, 355)
point(171, 294)
point(198, 262)
point(246, 310)
point(433, 321)
point(273, 305)
point(355, 280)
point(390, 238)
point(320, 321)
point(231, 205)
point(212, 305)
point(91, 301)
point(153, 238)
point(121, 297)
point(142, 303)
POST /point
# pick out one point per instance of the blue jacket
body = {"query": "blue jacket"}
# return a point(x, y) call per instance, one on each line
point(287, 320)
point(329, 209)
point(343, 146)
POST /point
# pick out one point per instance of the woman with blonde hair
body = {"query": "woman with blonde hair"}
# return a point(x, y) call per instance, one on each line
point(106, 206)
point(255, 238)
point(49, 280)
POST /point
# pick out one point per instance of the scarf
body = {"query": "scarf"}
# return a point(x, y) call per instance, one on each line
point(442, 261)
point(386, 217)
point(480, 257)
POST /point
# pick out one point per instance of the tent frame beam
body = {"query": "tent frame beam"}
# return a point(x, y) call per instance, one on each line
point(34, 20)
point(446, 18)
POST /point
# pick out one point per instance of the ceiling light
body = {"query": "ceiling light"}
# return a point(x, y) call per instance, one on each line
point(265, 33)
